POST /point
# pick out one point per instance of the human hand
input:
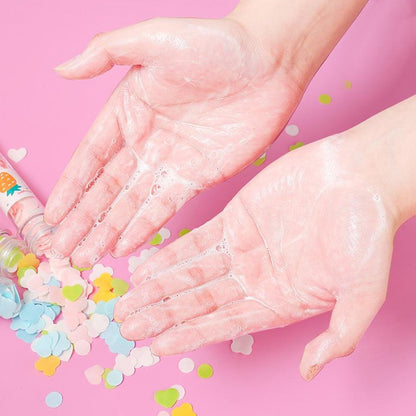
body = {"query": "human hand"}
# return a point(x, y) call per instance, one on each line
point(202, 100)
point(313, 232)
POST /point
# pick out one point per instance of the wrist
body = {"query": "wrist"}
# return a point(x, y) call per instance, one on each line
point(385, 148)
point(299, 34)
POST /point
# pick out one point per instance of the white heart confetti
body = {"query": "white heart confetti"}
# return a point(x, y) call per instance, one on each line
point(16, 155)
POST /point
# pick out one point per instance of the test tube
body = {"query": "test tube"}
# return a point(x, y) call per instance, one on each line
point(20, 204)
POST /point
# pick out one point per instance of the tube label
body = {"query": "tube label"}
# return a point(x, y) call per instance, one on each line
point(12, 186)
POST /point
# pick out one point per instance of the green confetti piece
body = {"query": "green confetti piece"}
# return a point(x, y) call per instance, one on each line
point(22, 270)
point(72, 293)
point(157, 239)
point(120, 287)
point(260, 160)
point(296, 146)
point(166, 398)
point(325, 99)
point(13, 259)
point(184, 231)
point(81, 269)
point(205, 371)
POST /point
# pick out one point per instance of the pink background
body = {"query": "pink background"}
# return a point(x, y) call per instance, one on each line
point(49, 116)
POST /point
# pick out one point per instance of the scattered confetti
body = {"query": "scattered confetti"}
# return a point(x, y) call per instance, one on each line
point(104, 376)
point(180, 389)
point(53, 399)
point(205, 371)
point(184, 231)
point(16, 155)
point(243, 345)
point(185, 409)
point(292, 130)
point(166, 398)
point(94, 374)
point(296, 146)
point(186, 365)
point(260, 160)
point(325, 99)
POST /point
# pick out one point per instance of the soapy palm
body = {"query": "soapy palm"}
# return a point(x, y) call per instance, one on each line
point(201, 101)
point(307, 235)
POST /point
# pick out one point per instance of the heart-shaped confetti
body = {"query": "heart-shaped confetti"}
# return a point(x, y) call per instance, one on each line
point(243, 345)
point(72, 293)
point(94, 374)
point(120, 287)
point(16, 155)
point(166, 398)
point(185, 409)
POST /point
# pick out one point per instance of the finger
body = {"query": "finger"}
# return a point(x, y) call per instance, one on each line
point(203, 300)
point(105, 235)
point(350, 318)
point(94, 202)
point(183, 249)
point(152, 215)
point(169, 283)
point(102, 141)
point(131, 45)
point(230, 321)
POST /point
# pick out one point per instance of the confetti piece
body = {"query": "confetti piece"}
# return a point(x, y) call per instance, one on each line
point(186, 365)
point(180, 389)
point(205, 371)
point(325, 99)
point(114, 378)
point(119, 286)
point(184, 231)
point(96, 324)
point(53, 399)
point(156, 240)
point(166, 398)
point(260, 160)
point(296, 146)
point(347, 84)
point(72, 293)
point(94, 374)
point(136, 261)
point(243, 345)
point(47, 365)
point(116, 343)
point(16, 155)
point(144, 357)
point(98, 270)
point(104, 376)
point(82, 347)
point(292, 130)
point(163, 413)
point(165, 233)
point(185, 409)
point(125, 364)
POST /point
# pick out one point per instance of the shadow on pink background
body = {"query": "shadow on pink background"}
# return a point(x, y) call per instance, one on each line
point(49, 116)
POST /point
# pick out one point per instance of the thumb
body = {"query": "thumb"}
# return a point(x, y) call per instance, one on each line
point(131, 45)
point(350, 318)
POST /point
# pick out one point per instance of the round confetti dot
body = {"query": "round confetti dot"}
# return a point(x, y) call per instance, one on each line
point(325, 98)
point(292, 130)
point(205, 371)
point(114, 378)
point(186, 365)
point(53, 399)
point(347, 84)
point(180, 389)
point(163, 413)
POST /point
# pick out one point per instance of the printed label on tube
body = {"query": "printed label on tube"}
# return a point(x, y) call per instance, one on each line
point(12, 186)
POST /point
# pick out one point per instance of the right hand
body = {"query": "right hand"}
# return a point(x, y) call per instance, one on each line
point(203, 99)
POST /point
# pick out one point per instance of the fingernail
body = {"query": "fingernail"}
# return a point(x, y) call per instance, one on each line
point(68, 64)
point(313, 371)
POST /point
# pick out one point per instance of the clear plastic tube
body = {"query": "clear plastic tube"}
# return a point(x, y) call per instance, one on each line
point(12, 251)
point(20, 204)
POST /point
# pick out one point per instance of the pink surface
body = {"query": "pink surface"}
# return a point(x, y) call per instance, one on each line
point(48, 116)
